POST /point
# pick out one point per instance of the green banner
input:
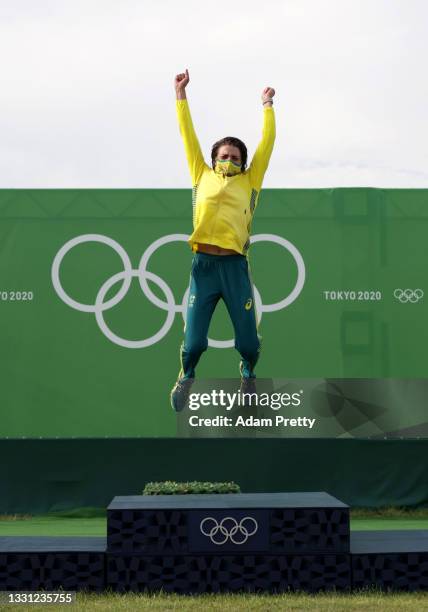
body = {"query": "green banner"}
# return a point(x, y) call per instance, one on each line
point(93, 287)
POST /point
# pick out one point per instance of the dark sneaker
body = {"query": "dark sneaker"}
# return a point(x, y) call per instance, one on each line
point(180, 393)
point(248, 385)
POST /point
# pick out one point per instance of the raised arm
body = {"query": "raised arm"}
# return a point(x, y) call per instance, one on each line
point(263, 152)
point(192, 148)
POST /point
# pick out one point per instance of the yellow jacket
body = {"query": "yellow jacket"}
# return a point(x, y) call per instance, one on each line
point(223, 206)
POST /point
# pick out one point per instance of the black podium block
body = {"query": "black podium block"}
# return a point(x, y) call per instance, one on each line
point(277, 523)
point(234, 542)
point(228, 573)
point(50, 563)
point(396, 560)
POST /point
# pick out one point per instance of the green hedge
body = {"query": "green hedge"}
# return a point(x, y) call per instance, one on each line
point(170, 487)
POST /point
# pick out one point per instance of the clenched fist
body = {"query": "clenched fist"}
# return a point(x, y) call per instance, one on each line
point(268, 93)
point(181, 81)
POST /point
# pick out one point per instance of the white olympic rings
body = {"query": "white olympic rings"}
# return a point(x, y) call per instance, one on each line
point(144, 275)
point(408, 295)
point(219, 533)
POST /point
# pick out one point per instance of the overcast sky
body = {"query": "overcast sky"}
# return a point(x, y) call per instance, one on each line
point(87, 96)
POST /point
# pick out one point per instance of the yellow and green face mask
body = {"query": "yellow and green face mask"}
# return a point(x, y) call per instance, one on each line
point(227, 167)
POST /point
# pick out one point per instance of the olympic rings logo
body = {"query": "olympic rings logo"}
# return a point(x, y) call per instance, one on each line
point(228, 529)
point(408, 295)
point(143, 275)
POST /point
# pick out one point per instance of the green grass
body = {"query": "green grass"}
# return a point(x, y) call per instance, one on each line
point(380, 524)
point(92, 522)
point(53, 526)
point(362, 601)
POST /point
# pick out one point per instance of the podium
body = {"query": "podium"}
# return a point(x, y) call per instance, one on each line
point(233, 542)
point(241, 542)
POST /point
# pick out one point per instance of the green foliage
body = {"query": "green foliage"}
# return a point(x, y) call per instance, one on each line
point(170, 487)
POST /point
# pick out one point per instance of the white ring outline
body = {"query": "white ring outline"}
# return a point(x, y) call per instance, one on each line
point(228, 533)
point(91, 238)
point(409, 294)
point(143, 267)
point(135, 343)
point(301, 271)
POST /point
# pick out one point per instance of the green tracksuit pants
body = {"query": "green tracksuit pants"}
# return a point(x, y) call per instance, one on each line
point(213, 277)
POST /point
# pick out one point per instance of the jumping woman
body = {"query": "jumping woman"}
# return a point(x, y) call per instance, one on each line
point(224, 199)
